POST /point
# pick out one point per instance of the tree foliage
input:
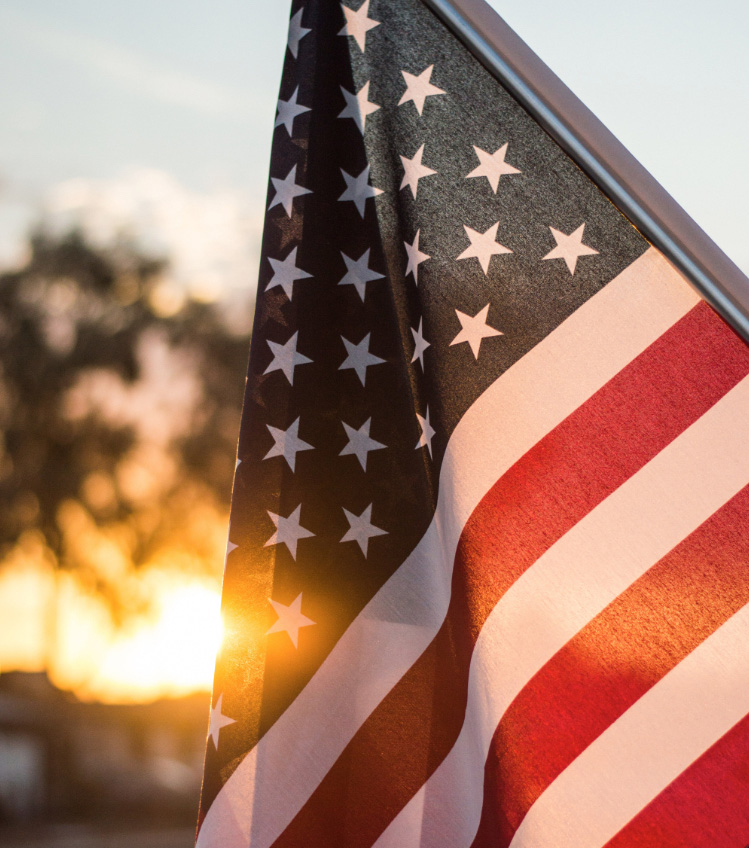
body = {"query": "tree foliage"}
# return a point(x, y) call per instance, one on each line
point(120, 403)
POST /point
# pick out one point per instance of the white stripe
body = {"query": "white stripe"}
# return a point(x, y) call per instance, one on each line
point(639, 755)
point(278, 776)
point(570, 584)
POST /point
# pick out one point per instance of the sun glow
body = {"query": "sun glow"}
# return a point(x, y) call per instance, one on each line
point(173, 654)
point(168, 650)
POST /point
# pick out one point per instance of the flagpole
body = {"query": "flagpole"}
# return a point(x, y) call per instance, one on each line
point(594, 148)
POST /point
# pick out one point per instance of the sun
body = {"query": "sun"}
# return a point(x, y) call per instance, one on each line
point(170, 655)
point(51, 620)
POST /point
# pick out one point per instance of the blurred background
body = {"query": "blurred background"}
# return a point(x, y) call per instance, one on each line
point(134, 147)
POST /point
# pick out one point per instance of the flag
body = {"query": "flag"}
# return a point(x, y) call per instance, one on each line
point(486, 577)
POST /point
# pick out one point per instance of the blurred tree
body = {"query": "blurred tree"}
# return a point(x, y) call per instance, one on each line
point(120, 401)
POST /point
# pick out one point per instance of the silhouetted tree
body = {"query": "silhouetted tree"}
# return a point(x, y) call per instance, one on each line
point(120, 402)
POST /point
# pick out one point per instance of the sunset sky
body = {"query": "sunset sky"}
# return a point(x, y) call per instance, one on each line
point(160, 115)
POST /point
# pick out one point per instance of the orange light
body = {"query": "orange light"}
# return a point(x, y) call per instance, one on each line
point(171, 654)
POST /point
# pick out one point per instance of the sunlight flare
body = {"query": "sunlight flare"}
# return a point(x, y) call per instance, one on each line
point(172, 654)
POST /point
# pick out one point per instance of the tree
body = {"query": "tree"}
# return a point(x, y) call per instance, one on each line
point(120, 403)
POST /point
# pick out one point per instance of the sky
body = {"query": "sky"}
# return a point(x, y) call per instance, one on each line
point(105, 93)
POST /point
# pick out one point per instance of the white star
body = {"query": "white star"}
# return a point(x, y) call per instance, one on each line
point(285, 358)
point(359, 273)
point(218, 721)
point(286, 191)
point(230, 546)
point(286, 273)
point(359, 443)
point(427, 432)
point(359, 358)
point(358, 106)
point(361, 529)
point(420, 344)
point(288, 110)
point(474, 329)
point(493, 166)
point(288, 531)
point(290, 619)
point(570, 247)
point(358, 24)
point(483, 246)
point(358, 189)
point(418, 88)
point(239, 462)
point(287, 444)
point(414, 171)
point(415, 257)
point(296, 33)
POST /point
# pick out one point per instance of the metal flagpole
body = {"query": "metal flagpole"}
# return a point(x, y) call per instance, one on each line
point(606, 161)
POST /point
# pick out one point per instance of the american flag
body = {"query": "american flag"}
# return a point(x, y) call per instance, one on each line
point(486, 581)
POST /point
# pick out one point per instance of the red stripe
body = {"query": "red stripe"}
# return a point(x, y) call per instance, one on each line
point(612, 663)
point(707, 806)
point(536, 502)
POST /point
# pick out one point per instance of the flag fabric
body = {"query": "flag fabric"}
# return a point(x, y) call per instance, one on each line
point(486, 578)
